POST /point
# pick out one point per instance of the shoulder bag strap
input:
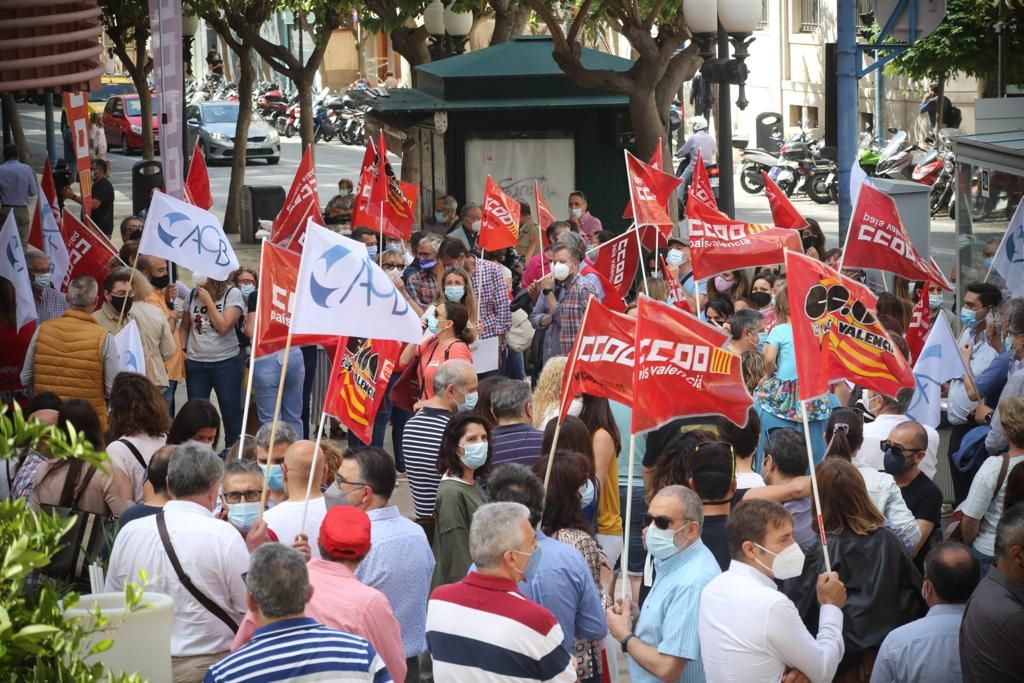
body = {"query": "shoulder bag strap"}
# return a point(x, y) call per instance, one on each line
point(1002, 475)
point(135, 451)
point(214, 609)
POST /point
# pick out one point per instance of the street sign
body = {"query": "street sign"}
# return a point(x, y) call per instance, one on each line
point(928, 14)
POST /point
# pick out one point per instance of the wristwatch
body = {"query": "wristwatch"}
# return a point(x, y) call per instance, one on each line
point(545, 291)
point(625, 641)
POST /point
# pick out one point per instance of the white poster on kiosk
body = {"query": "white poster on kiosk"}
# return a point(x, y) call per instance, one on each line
point(515, 163)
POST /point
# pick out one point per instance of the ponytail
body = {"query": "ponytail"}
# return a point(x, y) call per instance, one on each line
point(845, 433)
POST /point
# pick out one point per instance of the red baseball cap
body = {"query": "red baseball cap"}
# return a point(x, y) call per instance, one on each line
point(345, 533)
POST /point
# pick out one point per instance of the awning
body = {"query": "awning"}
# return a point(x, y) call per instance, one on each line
point(996, 151)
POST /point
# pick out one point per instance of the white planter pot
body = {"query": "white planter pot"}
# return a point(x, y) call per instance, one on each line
point(142, 639)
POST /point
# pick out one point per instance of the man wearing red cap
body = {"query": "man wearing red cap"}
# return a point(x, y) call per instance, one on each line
point(339, 599)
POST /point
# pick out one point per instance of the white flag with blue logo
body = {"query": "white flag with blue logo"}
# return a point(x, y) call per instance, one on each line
point(131, 357)
point(857, 178)
point(189, 236)
point(14, 269)
point(1009, 258)
point(53, 241)
point(939, 362)
point(341, 291)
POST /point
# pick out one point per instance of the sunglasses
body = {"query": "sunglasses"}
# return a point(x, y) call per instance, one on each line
point(250, 496)
point(900, 450)
point(662, 522)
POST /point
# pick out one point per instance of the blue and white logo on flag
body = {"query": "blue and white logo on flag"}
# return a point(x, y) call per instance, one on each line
point(188, 236)
point(342, 291)
point(1009, 258)
point(53, 241)
point(939, 362)
point(14, 268)
point(131, 356)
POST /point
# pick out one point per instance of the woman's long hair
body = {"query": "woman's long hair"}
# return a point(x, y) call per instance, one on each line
point(672, 465)
point(80, 414)
point(137, 407)
point(844, 433)
point(569, 471)
point(468, 299)
point(597, 414)
point(549, 389)
point(844, 499)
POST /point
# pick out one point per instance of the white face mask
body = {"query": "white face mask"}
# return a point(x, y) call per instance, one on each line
point(787, 564)
point(560, 271)
point(475, 225)
point(198, 280)
point(576, 407)
point(576, 213)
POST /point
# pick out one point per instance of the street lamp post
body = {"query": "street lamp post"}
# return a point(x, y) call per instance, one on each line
point(448, 29)
point(189, 28)
point(724, 22)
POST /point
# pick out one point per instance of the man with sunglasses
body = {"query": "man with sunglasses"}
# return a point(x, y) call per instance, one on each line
point(890, 413)
point(663, 644)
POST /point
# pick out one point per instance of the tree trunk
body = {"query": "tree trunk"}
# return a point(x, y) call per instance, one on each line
point(137, 70)
point(233, 214)
point(647, 124)
point(939, 108)
point(304, 83)
point(411, 43)
point(509, 22)
point(11, 117)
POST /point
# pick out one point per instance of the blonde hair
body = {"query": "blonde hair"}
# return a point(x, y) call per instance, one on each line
point(782, 305)
point(658, 288)
point(752, 367)
point(549, 389)
point(1011, 417)
point(468, 300)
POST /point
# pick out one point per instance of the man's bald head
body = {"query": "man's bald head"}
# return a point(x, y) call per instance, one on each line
point(298, 460)
point(910, 434)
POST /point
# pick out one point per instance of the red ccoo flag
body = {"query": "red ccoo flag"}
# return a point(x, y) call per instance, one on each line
point(836, 334)
point(649, 192)
point(784, 214)
point(920, 323)
point(700, 185)
point(544, 215)
point(359, 381)
point(89, 251)
point(681, 369)
point(603, 355)
point(197, 184)
point(719, 243)
point(656, 162)
point(500, 226)
point(878, 240)
point(303, 188)
point(383, 202)
point(617, 259)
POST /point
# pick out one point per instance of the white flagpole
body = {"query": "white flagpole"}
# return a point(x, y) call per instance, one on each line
point(814, 485)
point(624, 562)
point(312, 469)
point(252, 359)
point(640, 253)
point(277, 415)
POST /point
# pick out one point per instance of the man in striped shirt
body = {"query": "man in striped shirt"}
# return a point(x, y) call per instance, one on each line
point(515, 439)
point(482, 628)
point(287, 645)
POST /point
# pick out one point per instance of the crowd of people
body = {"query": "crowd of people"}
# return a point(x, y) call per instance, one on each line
point(285, 561)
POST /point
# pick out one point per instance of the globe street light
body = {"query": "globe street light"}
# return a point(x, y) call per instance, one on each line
point(448, 29)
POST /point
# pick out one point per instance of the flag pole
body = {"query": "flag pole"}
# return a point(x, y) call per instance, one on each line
point(131, 290)
point(540, 248)
point(312, 469)
point(624, 563)
point(252, 360)
point(565, 387)
point(277, 415)
point(640, 253)
point(814, 485)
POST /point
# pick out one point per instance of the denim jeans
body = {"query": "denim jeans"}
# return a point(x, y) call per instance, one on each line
point(264, 388)
point(172, 386)
point(224, 377)
point(398, 419)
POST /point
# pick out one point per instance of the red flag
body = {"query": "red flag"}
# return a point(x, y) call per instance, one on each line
point(617, 259)
point(784, 214)
point(362, 200)
point(279, 271)
point(681, 369)
point(612, 298)
point(656, 162)
point(500, 226)
point(836, 334)
point(604, 357)
point(379, 190)
point(197, 184)
point(89, 250)
point(719, 243)
point(920, 322)
point(76, 106)
point(878, 240)
point(303, 188)
point(675, 289)
point(359, 380)
point(700, 184)
point(544, 215)
point(383, 202)
point(649, 192)
point(35, 234)
point(311, 212)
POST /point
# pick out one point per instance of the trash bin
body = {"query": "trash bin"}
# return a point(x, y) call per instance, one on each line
point(769, 131)
point(259, 202)
point(145, 176)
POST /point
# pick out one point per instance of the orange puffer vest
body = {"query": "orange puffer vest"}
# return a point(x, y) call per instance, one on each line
point(69, 359)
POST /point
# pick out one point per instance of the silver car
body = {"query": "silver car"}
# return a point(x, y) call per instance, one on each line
point(213, 123)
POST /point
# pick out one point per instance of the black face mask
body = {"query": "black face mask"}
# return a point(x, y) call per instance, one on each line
point(809, 242)
point(160, 281)
point(135, 234)
point(761, 299)
point(118, 301)
point(894, 463)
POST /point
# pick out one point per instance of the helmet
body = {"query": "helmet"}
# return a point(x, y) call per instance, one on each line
point(699, 123)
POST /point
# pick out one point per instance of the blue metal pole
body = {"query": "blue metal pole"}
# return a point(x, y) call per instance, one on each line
point(51, 138)
point(846, 97)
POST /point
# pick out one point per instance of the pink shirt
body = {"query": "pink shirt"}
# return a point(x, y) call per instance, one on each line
point(589, 224)
point(340, 601)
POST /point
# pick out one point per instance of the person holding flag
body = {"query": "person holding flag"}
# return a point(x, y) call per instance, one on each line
point(559, 311)
point(49, 302)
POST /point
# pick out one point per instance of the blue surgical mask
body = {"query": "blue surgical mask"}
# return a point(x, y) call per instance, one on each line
point(675, 257)
point(432, 323)
point(661, 543)
point(41, 281)
point(935, 301)
point(761, 339)
point(371, 252)
point(247, 289)
point(587, 493)
point(440, 217)
point(428, 264)
point(275, 477)
point(531, 567)
point(1008, 343)
point(243, 515)
point(471, 399)
point(474, 455)
point(454, 293)
point(988, 261)
point(968, 318)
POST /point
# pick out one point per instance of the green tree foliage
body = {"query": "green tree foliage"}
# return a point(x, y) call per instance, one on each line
point(127, 24)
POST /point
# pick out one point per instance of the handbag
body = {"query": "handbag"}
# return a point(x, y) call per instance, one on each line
point(954, 530)
point(406, 390)
point(520, 335)
point(84, 541)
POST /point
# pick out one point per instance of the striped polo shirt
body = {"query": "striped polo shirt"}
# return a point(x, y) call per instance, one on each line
point(421, 440)
point(521, 443)
point(483, 629)
point(301, 649)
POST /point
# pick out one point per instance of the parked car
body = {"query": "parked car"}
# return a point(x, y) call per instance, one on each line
point(109, 86)
point(213, 124)
point(122, 122)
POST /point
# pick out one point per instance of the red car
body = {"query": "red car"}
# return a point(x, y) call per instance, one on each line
point(122, 122)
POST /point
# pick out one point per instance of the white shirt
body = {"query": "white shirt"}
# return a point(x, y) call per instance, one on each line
point(749, 480)
point(985, 504)
point(285, 518)
point(213, 555)
point(875, 432)
point(750, 632)
point(958, 405)
point(124, 460)
point(885, 493)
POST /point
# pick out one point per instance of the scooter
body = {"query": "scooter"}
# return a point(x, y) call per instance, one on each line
point(755, 160)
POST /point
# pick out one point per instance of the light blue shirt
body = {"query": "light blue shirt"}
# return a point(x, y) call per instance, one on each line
point(563, 584)
point(399, 565)
point(923, 651)
point(669, 618)
point(623, 416)
point(781, 337)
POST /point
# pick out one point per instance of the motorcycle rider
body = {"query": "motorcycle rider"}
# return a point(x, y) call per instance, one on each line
point(699, 141)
